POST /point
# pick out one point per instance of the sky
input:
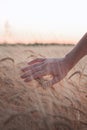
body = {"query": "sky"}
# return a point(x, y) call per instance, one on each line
point(43, 21)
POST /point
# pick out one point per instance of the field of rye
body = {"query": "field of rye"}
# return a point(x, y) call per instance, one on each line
point(30, 106)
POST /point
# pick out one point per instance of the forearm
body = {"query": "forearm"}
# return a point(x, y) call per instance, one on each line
point(79, 51)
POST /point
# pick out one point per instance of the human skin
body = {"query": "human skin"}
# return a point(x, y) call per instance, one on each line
point(57, 67)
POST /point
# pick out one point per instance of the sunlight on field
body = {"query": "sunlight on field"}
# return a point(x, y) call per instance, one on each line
point(30, 106)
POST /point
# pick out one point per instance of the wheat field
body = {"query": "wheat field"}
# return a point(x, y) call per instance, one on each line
point(29, 106)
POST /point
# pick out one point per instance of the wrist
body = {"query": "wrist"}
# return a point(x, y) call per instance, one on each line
point(69, 61)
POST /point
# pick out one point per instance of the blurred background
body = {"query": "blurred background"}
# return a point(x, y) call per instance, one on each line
point(42, 21)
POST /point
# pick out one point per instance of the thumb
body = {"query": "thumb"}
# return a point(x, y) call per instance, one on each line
point(50, 83)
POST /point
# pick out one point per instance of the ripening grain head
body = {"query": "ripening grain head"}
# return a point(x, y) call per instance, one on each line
point(29, 106)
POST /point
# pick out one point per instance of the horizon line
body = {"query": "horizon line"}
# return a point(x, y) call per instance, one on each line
point(36, 43)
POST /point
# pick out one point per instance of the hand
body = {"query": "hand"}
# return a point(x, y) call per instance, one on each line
point(38, 68)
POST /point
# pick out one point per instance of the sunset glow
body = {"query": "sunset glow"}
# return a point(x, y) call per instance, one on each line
point(61, 21)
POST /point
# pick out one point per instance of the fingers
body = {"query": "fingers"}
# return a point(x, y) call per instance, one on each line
point(28, 76)
point(36, 60)
point(34, 70)
point(35, 66)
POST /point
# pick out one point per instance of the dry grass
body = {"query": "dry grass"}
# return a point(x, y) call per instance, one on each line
point(29, 106)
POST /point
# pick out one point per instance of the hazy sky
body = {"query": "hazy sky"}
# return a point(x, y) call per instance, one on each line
point(43, 20)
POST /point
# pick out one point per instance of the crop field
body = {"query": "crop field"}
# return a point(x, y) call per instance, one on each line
point(30, 106)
